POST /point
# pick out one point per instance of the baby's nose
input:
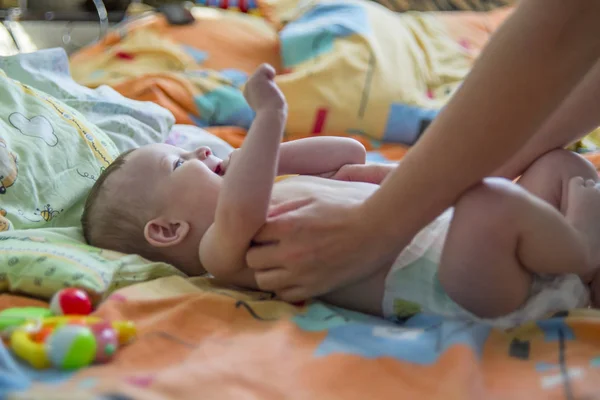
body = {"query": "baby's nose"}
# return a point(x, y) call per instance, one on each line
point(203, 152)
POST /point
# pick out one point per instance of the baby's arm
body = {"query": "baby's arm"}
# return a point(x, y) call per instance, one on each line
point(322, 156)
point(246, 191)
point(370, 173)
point(319, 155)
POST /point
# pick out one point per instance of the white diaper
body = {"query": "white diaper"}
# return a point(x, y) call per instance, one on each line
point(412, 285)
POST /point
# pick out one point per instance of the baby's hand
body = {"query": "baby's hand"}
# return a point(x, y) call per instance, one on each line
point(370, 173)
point(262, 93)
point(227, 162)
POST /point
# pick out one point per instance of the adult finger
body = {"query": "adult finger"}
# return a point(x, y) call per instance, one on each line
point(293, 294)
point(281, 221)
point(288, 206)
point(273, 279)
point(264, 256)
point(273, 231)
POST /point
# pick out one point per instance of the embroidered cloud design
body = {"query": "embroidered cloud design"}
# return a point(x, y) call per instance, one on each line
point(37, 127)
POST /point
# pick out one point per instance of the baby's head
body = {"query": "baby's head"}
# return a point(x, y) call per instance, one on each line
point(156, 201)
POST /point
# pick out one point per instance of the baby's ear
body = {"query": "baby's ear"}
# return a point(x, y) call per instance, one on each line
point(161, 232)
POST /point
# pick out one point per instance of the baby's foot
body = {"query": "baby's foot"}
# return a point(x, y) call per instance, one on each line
point(583, 213)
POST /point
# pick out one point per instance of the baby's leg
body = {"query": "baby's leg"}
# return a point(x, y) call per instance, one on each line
point(499, 237)
point(549, 176)
point(364, 296)
point(560, 178)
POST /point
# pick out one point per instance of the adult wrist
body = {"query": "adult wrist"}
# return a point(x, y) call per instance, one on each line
point(385, 224)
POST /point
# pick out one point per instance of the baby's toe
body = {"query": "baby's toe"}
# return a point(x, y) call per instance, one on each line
point(576, 182)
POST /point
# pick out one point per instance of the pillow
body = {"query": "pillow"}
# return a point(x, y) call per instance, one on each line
point(195, 70)
point(279, 12)
point(345, 73)
point(191, 137)
point(49, 158)
point(39, 262)
point(127, 122)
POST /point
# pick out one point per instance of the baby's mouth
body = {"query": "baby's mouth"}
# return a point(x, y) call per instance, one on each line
point(218, 169)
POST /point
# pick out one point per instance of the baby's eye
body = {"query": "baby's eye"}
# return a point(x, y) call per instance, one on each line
point(178, 164)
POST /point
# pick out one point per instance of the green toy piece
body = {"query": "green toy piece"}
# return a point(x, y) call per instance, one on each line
point(14, 317)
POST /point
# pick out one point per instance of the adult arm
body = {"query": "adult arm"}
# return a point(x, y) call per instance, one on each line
point(530, 65)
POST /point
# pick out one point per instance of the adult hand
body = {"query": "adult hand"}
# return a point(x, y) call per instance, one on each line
point(309, 247)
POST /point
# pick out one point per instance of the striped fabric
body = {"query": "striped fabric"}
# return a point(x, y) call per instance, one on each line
point(444, 5)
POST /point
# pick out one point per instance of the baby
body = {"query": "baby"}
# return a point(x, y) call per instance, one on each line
point(505, 253)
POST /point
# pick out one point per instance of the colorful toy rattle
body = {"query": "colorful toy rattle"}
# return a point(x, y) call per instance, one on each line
point(71, 340)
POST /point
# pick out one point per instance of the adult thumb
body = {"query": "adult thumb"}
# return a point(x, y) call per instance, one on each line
point(288, 206)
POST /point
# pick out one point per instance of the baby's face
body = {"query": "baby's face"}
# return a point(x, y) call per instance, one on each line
point(184, 185)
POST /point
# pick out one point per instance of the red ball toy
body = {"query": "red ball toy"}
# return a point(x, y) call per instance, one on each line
point(71, 301)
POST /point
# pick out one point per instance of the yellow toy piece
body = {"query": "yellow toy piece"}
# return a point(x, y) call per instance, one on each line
point(125, 330)
point(30, 351)
point(22, 343)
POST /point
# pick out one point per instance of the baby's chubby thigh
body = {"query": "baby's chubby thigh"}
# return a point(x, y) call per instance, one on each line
point(479, 268)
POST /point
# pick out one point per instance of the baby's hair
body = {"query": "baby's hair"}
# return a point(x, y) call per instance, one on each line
point(116, 221)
